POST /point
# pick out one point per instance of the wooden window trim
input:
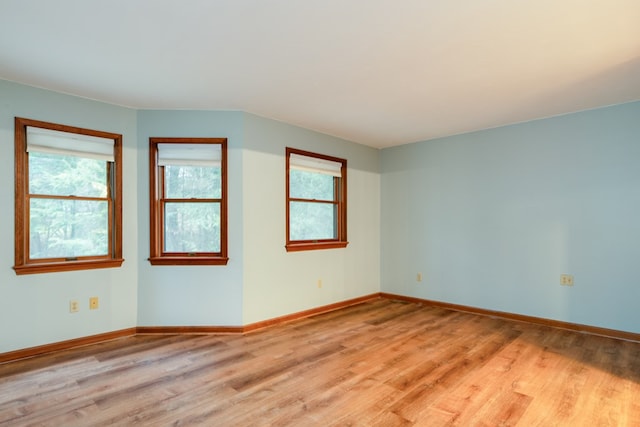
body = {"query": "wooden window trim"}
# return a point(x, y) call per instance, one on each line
point(340, 189)
point(23, 264)
point(156, 182)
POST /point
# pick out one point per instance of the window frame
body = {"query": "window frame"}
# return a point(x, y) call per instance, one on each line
point(157, 256)
point(23, 263)
point(340, 200)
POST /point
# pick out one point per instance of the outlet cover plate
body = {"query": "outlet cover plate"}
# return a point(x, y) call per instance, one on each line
point(566, 280)
point(74, 307)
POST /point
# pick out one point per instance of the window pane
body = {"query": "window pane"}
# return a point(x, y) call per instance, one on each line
point(68, 228)
point(312, 221)
point(55, 174)
point(310, 185)
point(192, 227)
point(185, 182)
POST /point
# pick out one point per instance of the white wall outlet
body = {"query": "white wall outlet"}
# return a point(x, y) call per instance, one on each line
point(566, 280)
point(74, 307)
point(419, 277)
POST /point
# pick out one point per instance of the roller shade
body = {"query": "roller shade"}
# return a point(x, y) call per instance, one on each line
point(69, 144)
point(189, 154)
point(314, 164)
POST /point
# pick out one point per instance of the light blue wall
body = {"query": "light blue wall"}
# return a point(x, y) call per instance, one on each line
point(191, 295)
point(277, 282)
point(261, 280)
point(34, 309)
point(492, 218)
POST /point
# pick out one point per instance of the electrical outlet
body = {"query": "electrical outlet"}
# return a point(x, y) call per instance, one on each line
point(319, 283)
point(419, 277)
point(93, 303)
point(74, 307)
point(566, 280)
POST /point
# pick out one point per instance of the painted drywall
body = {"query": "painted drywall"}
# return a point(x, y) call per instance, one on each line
point(34, 309)
point(277, 283)
point(493, 218)
point(192, 295)
point(259, 270)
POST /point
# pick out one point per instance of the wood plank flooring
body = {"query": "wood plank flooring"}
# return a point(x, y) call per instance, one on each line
point(381, 363)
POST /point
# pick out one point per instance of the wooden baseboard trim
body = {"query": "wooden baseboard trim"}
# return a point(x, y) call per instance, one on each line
point(308, 313)
point(93, 339)
point(593, 330)
point(188, 330)
point(65, 345)
point(173, 330)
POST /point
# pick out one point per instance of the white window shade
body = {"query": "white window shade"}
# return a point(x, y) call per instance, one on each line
point(315, 164)
point(69, 144)
point(189, 154)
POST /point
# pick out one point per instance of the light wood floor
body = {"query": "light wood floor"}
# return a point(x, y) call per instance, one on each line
point(381, 363)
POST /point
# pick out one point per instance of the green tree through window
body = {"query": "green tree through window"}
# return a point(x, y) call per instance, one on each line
point(312, 220)
point(316, 201)
point(192, 226)
point(188, 201)
point(68, 207)
point(67, 227)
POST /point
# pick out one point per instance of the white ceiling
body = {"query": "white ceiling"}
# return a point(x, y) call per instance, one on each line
point(377, 72)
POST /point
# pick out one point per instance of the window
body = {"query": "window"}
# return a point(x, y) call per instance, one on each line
point(68, 198)
point(316, 201)
point(188, 201)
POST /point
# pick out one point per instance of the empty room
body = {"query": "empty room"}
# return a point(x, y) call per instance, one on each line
point(289, 213)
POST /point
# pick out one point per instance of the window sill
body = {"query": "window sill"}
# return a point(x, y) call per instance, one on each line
point(312, 246)
point(188, 260)
point(55, 267)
